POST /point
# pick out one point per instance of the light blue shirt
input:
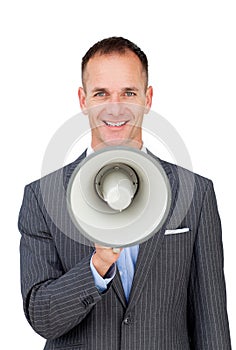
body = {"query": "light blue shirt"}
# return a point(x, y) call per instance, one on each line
point(126, 265)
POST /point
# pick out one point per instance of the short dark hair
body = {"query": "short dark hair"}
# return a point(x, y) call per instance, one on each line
point(115, 45)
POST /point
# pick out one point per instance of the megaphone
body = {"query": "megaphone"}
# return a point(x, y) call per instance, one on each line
point(118, 196)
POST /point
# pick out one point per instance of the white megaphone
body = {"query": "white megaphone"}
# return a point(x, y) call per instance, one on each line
point(118, 197)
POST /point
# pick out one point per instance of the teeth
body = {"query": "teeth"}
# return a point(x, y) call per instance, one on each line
point(115, 124)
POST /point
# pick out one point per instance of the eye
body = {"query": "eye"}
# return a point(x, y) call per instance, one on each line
point(130, 93)
point(100, 94)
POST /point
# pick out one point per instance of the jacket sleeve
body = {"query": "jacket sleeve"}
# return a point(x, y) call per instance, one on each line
point(208, 320)
point(55, 301)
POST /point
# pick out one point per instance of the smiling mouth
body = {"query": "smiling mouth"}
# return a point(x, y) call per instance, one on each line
point(117, 124)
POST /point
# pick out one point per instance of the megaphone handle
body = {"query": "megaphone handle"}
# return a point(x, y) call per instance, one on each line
point(116, 250)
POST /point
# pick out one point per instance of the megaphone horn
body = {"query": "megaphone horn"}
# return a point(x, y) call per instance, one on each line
point(118, 196)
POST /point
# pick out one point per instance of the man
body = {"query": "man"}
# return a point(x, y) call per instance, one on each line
point(167, 293)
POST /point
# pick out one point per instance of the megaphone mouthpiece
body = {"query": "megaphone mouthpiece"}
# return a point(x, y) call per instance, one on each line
point(117, 185)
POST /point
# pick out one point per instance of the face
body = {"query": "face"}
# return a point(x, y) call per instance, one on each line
point(115, 98)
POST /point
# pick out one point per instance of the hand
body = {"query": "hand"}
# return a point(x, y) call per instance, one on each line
point(103, 258)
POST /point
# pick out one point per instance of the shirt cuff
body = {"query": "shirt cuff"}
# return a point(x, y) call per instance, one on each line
point(100, 282)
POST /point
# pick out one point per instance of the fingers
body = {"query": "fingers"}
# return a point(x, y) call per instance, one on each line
point(104, 257)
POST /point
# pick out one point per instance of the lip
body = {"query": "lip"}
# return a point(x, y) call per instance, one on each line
point(115, 124)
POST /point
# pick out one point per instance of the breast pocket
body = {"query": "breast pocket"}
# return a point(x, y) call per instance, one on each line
point(176, 252)
point(177, 231)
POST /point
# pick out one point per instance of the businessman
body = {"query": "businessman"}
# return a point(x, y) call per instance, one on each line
point(167, 293)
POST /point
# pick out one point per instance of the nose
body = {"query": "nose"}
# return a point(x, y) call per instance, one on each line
point(115, 106)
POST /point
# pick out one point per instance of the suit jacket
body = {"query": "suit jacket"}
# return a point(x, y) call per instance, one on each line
point(177, 300)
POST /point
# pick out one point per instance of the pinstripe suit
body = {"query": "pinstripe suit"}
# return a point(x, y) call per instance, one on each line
point(177, 301)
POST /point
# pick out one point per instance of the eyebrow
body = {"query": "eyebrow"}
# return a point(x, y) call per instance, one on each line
point(132, 88)
point(96, 89)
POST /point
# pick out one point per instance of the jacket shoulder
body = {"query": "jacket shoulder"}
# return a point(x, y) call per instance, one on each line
point(178, 171)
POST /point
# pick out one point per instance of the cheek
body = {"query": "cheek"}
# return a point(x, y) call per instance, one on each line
point(92, 121)
point(95, 113)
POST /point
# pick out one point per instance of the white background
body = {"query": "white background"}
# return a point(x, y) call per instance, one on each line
point(192, 55)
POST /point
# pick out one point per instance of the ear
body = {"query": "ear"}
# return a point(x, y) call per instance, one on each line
point(82, 100)
point(148, 104)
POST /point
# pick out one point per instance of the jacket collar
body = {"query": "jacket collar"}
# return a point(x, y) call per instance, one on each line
point(69, 169)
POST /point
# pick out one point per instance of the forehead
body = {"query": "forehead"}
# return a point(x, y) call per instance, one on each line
point(114, 67)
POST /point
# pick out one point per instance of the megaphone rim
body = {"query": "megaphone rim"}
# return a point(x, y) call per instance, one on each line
point(119, 148)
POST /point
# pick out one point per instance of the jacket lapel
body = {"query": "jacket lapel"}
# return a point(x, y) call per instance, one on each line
point(118, 288)
point(149, 250)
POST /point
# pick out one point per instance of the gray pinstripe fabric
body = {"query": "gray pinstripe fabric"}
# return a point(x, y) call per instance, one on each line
point(177, 301)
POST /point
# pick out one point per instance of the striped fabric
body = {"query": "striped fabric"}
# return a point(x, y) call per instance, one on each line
point(177, 300)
